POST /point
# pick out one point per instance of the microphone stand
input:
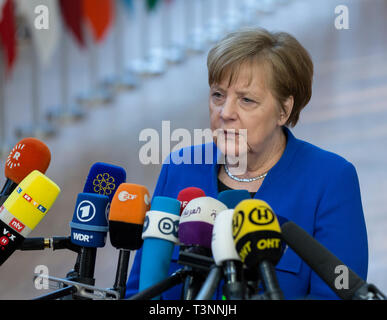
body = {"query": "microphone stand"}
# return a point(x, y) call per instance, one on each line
point(87, 257)
point(55, 243)
point(60, 293)
point(270, 283)
point(156, 290)
point(368, 292)
point(197, 261)
point(79, 290)
point(209, 287)
point(122, 272)
point(234, 287)
point(192, 260)
point(79, 282)
point(84, 270)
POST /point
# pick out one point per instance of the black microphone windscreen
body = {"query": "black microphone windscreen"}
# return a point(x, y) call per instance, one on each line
point(320, 259)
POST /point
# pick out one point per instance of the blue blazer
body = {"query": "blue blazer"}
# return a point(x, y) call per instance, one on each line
point(316, 189)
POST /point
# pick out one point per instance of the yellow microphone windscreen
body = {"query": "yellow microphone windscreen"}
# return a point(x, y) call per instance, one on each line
point(32, 199)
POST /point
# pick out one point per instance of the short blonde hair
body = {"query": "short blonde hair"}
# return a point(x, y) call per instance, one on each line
point(290, 65)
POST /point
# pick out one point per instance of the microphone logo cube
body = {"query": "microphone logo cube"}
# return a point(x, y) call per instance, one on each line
point(27, 197)
point(42, 209)
point(89, 225)
point(237, 222)
point(82, 237)
point(13, 158)
point(7, 236)
point(86, 211)
point(104, 184)
point(168, 226)
point(261, 216)
point(146, 224)
point(125, 196)
point(16, 225)
point(4, 241)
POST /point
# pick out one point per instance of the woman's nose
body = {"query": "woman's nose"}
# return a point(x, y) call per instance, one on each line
point(228, 111)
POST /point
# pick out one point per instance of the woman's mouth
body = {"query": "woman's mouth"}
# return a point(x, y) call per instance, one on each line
point(230, 133)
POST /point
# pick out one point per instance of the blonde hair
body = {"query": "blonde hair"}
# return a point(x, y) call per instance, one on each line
point(290, 65)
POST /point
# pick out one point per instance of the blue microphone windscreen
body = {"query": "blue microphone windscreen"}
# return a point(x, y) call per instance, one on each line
point(104, 179)
point(166, 204)
point(89, 225)
point(231, 198)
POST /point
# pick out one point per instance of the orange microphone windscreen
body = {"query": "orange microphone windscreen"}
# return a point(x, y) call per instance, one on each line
point(127, 214)
point(130, 203)
point(27, 155)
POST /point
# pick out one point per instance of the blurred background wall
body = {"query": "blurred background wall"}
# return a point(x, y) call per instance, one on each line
point(89, 94)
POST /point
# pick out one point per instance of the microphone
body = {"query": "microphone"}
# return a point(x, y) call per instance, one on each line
point(25, 207)
point(195, 232)
point(197, 221)
point(104, 179)
point(27, 155)
point(159, 235)
point(89, 228)
point(257, 237)
point(187, 194)
point(55, 243)
point(231, 198)
point(126, 219)
point(223, 247)
point(324, 263)
point(226, 256)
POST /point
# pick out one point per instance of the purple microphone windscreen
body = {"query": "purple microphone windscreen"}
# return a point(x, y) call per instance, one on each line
point(197, 221)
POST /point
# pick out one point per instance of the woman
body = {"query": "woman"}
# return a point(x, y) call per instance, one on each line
point(259, 83)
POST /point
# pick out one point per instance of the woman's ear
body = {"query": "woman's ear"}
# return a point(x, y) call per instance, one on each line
point(286, 110)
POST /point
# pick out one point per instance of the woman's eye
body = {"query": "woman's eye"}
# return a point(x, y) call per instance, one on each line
point(217, 97)
point(247, 100)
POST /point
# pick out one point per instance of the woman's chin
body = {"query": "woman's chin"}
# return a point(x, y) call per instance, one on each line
point(231, 150)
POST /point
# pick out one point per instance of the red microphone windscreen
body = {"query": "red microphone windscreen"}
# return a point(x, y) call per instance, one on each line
point(28, 154)
point(187, 194)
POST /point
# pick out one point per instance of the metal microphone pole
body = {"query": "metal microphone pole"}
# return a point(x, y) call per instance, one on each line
point(79, 282)
point(156, 290)
point(270, 282)
point(198, 263)
point(210, 285)
point(60, 293)
point(122, 272)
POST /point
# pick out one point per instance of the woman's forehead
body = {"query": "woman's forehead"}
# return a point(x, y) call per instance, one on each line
point(244, 76)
